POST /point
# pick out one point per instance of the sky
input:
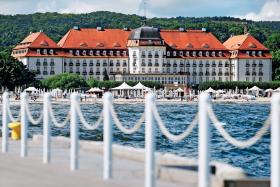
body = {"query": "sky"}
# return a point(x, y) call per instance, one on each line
point(265, 10)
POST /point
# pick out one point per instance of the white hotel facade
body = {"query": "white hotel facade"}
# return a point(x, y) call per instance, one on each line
point(147, 53)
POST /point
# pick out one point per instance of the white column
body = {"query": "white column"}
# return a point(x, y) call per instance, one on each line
point(149, 142)
point(46, 129)
point(5, 121)
point(204, 142)
point(275, 140)
point(24, 125)
point(107, 136)
point(74, 133)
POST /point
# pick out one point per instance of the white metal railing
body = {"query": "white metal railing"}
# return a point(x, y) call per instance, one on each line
point(151, 117)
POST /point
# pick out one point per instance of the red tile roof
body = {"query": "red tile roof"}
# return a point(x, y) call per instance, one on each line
point(94, 39)
point(244, 42)
point(37, 40)
point(191, 39)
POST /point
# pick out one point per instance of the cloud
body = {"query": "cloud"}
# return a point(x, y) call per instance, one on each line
point(269, 12)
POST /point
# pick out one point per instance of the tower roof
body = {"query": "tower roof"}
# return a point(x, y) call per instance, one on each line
point(145, 33)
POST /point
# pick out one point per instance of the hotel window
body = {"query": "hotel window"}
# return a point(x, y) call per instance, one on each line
point(38, 62)
point(260, 79)
point(84, 63)
point(97, 63)
point(84, 52)
point(156, 54)
point(52, 62)
point(45, 63)
point(220, 79)
point(118, 53)
point(91, 52)
point(194, 53)
point(104, 53)
point(51, 51)
point(200, 79)
point(254, 79)
point(213, 53)
point(220, 53)
point(134, 54)
point(200, 53)
point(124, 63)
point(118, 63)
point(97, 52)
point(45, 52)
point(134, 62)
point(213, 78)
point(91, 63)
point(111, 53)
point(124, 53)
point(181, 53)
point(104, 63)
point(77, 52)
point(38, 51)
point(71, 52)
point(187, 53)
point(248, 53)
point(150, 54)
point(168, 53)
point(260, 53)
point(207, 53)
point(254, 53)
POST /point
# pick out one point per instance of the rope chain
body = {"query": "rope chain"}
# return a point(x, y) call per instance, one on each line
point(85, 123)
point(125, 130)
point(165, 131)
point(238, 143)
point(55, 123)
point(29, 115)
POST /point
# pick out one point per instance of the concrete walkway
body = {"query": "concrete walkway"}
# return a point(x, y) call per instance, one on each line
point(31, 172)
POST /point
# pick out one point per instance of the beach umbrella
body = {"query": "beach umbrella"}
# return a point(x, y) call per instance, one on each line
point(210, 90)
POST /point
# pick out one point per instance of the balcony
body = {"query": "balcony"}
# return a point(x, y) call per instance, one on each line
point(78, 72)
point(194, 74)
point(260, 73)
point(214, 73)
point(78, 64)
point(98, 73)
point(111, 64)
point(226, 73)
point(207, 65)
point(52, 73)
point(84, 73)
point(247, 73)
point(188, 73)
point(45, 73)
point(156, 56)
point(247, 65)
point(194, 65)
point(213, 65)
point(84, 64)
point(188, 65)
point(254, 65)
point(150, 56)
point(220, 65)
point(52, 64)
point(90, 73)
point(200, 74)
point(71, 64)
point(254, 73)
point(200, 65)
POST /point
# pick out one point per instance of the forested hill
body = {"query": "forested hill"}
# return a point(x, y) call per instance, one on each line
point(14, 28)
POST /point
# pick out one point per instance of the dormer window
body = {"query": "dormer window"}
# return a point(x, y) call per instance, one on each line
point(118, 53)
point(168, 53)
point(260, 53)
point(51, 51)
point(111, 53)
point(248, 53)
point(77, 52)
point(213, 53)
point(194, 53)
point(124, 53)
point(174, 53)
point(104, 53)
point(91, 52)
point(71, 52)
point(220, 53)
point(38, 51)
point(45, 52)
point(97, 52)
point(181, 53)
point(207, 53)
point(84, 52)
point(200, 53)
point(254, 53)
point(187, 53)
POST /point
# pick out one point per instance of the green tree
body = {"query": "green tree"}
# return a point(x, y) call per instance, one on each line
point(13, 73)
point(65, 81)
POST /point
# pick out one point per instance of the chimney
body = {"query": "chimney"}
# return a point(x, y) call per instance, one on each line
point(246, 28)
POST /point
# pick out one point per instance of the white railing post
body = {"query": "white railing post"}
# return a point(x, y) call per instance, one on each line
point(46, 129)
point(204, 142)
point(24, 125)
point(107, 136)
point(5, 121)
point(275, 140)
point(149, 142)
point(74, 133)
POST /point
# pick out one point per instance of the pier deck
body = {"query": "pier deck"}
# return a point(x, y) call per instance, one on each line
point(31, 172)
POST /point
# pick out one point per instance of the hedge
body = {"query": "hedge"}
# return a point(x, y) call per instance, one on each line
point(239, 84)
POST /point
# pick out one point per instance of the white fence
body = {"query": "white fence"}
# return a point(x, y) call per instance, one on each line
point(150, 117)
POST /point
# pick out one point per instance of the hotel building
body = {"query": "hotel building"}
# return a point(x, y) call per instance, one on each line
point(146, 53)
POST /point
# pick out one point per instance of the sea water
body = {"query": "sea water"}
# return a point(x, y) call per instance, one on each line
point(242, 121)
